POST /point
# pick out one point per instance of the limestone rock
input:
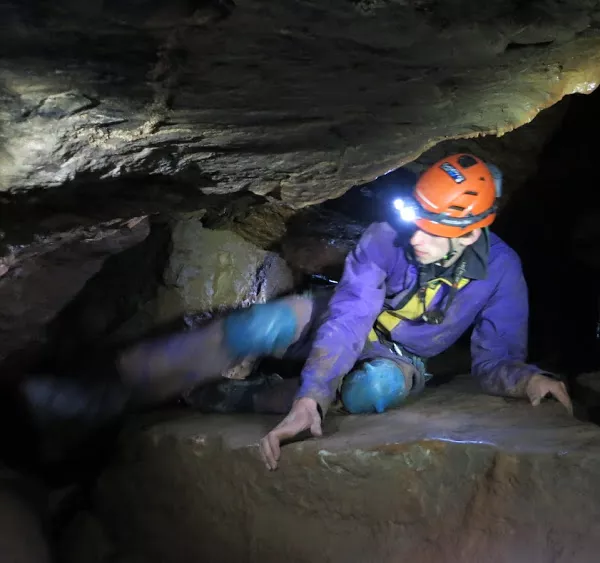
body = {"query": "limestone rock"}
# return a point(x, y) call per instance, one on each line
point(261, 221)
point(38, 278)
point(454, 476)
point(208, 272)
point(318, 240)
point(218, 269)
point(314, 240)
point(516, 153)
point(293, 99)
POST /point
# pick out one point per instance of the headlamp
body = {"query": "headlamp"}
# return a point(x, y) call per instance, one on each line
point(409, 211)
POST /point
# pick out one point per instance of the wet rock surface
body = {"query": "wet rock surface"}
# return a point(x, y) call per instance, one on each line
point(317, 241)
point(516, 153)
point(294, 99)
point(454, 476)
point(209, 269)
point(207, 272)
point(40, 277)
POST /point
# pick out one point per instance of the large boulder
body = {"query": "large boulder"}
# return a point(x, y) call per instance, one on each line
point(455, 476)
point(207, 272)
point(214, 269)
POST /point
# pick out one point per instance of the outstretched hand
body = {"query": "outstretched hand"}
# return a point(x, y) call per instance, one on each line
point(304, 415)
point(539, 386)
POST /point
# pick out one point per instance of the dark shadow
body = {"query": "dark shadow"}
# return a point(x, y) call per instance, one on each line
point(586, 402)
point(372, 202)
point(86, 201)
point(539, 223)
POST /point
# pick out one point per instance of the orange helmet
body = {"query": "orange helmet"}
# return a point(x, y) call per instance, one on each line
point(457, 195)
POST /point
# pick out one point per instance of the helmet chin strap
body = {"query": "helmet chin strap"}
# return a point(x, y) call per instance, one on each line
point(452, 251)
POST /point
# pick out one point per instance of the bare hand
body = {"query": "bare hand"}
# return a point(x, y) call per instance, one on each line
point(540, 385)
point(303, 416)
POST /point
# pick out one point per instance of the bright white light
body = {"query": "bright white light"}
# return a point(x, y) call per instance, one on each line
point(408, 214)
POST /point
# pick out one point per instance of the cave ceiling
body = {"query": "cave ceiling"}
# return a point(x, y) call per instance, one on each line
point(297, 100)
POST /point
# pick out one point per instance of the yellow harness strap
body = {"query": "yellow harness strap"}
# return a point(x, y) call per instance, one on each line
point(387, 321)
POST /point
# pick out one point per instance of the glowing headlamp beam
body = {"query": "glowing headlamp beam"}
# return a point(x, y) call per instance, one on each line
point(407, 213)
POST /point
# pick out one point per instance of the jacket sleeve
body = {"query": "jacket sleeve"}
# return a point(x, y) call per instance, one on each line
point(499, 338)
point(352, 310)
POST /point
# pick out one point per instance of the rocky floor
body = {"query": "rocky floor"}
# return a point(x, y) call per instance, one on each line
point(454, 476)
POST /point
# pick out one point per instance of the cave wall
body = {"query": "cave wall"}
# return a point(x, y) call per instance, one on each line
point(40, 279)
point(454, 476)
point(316, 240)
point(207, 272)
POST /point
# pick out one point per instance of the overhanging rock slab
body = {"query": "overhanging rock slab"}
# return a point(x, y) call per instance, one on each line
point(299, 100)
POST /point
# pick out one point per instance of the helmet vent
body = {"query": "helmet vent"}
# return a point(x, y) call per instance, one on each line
point(456, 208)
point(466, 161)
point(471, 193)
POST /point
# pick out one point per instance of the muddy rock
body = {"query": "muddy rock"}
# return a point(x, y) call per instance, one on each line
point(317, 241)
point(40, 277)
point(208, 272)
point(295, 100)
point(210, 269)
point(455, 476)
point(517, 153)
point(263, 221)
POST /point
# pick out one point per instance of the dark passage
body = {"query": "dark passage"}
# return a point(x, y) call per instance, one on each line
point(545, 222)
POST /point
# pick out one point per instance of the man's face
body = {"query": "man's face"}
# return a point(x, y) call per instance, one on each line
point(430, 249)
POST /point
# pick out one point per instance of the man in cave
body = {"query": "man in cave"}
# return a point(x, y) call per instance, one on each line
point(397, 304)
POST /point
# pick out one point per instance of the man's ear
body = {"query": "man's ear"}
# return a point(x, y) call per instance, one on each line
point(470, 238)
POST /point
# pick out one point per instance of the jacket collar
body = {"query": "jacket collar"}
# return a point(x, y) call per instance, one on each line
point(475, 255)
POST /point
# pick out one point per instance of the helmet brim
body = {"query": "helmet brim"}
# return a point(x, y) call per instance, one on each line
point(451, 231)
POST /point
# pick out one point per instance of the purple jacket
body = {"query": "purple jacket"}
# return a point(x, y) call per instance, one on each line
point(378, 269)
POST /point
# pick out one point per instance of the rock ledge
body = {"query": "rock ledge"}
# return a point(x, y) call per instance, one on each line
point(454, 476)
